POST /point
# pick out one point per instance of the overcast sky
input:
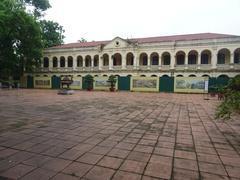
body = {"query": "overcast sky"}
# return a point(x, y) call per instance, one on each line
point(106, 19)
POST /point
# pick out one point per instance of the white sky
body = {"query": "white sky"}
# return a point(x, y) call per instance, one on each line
point(106, 19)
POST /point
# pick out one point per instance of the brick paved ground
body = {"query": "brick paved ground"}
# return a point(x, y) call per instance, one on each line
point(123, 135)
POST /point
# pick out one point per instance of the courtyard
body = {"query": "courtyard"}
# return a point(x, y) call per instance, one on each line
point(120, 135)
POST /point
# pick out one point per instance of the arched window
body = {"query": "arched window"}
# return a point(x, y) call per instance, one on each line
point(105, 60)
point(192, 57)
point(180, 58)
point(237, 56)
point(166, 58)
point(79, 61)
point(62, 61)
point(70, 61)
point(130, 59)
point(154, 59)
point(88, 60)
point(95, 60)
point(117, 59)
point(55, 62)
point(45, 62)
point(143, 59)
point(206, 57)
point(223, 56)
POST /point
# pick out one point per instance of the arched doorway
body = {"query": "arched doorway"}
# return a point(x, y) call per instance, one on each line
point(223, 56)
point(143, 59)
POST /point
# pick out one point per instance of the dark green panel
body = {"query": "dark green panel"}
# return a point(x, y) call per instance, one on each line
point(56, 81)
point(30, 82)
point(212, 84)
point(222, 80)
point(166, 84)
point(124, 83)
point(84, 84)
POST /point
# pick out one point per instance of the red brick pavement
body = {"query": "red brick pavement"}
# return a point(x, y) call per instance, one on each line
point(121, 135)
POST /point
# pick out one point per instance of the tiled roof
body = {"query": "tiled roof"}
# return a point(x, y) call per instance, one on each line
point(186, 37)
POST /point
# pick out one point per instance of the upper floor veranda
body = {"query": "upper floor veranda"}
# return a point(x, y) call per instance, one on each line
point(204, 54)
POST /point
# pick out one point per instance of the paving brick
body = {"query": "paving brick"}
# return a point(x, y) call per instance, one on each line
point(61, 176)
point(180, 174)
point(139, 156)
point(121, 175)
point(110, 162)
point(158, 170)
point(212, 168)
point(133, 166)
point(119, 153)
point(17, 171)
point(39, 174)
point(56, 164)
point(185, 154)
point(100, 173)
point(90, 158)
point(77, 169)
point(186, 164)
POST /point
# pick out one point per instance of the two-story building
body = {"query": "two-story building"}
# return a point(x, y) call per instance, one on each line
point(205, 54)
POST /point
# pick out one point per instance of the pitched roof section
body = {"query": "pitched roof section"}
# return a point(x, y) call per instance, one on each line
point(186, 37)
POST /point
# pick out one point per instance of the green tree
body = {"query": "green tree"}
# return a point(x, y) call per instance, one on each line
point(231, 103)
point(23, 37)
point(52, 33)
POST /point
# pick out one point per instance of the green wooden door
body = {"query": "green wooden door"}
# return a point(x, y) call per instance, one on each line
point(124, 83)
point(56, 81)
point(30, 82)
point(222, 80)
point(166, 84)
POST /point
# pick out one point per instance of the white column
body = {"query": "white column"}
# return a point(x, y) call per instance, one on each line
point(74, 62)
point(186, 61)
point(100, 63)
point(214, 60)
point(148, 61)
point(110, 61)
point(135, 61)
point(84, 63)
point(92, 62)
point(172, 62)
point(198, 61)
point(124, 60)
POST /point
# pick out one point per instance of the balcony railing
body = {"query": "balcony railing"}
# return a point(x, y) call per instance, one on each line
point(165, 67)
point(192, 66)
point(223, 66)
point(129, 67)
point(236, 66)
point(142, 67)
point(205, 66)
point(105, 67)
point(154, 67)
point(180, 67)
point(117, 67)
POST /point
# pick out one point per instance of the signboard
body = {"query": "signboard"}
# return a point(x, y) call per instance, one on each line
point(42, 82)
point(101, 83)
point(77, 83)
point(191, 84)
point(144, 84)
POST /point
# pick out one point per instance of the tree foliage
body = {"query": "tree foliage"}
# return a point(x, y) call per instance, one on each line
point(23, 37)
point(52, 33)
point(231, 103)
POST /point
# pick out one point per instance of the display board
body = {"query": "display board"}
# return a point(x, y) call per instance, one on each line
point(42, 82)
point(145, 84)
point(101, 83)
point(191, 84)
point(77, 83)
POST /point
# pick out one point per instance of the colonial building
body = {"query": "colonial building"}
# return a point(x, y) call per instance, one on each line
point(191, 55)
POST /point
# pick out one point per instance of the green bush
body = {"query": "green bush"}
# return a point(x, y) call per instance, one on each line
point(231, 103)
